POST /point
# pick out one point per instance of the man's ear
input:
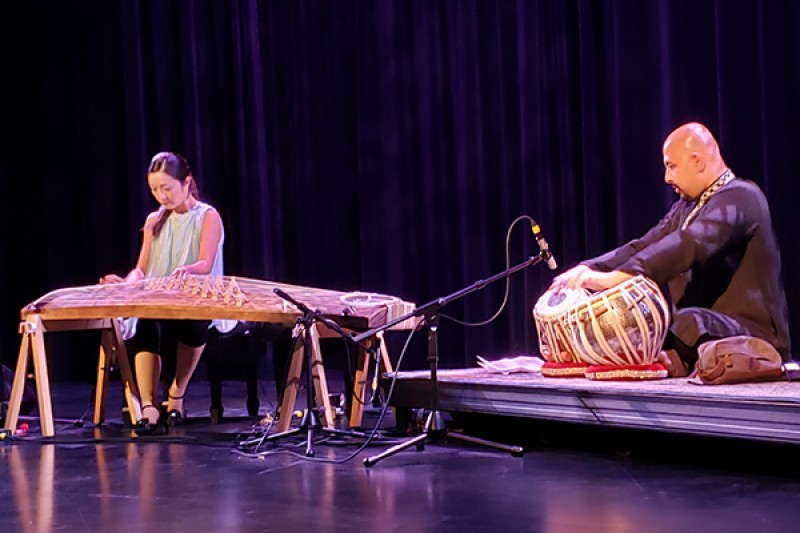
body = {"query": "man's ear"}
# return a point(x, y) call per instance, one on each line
point(698, 161)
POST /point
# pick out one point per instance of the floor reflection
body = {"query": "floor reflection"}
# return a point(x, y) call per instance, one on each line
point(102, 480)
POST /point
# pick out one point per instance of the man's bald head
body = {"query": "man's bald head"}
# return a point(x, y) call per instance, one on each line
point(694, 137)
point(692, 160)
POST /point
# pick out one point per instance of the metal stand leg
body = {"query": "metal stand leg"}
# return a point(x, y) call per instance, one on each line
point(434, 428)
point(310, 424)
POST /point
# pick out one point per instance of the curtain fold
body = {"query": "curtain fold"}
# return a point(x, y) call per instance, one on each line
point(383, 145)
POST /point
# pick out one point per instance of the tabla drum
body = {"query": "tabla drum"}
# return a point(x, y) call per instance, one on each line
point(618, 333)
point(555, 344)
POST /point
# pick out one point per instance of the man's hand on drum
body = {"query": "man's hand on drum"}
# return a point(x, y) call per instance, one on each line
point(600, 281)
point(583, 277)
point(569, 279)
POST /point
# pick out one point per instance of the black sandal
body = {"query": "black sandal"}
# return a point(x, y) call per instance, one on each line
point(174, 416)
point(145, 428)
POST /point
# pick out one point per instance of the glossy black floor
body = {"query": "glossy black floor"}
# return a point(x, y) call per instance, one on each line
point(570, 479)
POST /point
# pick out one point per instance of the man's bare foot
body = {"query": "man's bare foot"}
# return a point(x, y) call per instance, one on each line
point(676, 368)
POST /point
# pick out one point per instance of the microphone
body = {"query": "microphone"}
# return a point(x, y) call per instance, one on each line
point(543, 246)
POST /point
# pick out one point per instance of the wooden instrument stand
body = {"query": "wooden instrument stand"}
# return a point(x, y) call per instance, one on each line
point(112, 347)
point(319, 331)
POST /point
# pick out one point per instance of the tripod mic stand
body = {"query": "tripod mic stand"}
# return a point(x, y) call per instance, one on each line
point(310, 424)
point(433, 428)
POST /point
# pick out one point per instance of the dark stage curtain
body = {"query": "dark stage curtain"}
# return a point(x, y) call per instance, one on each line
point(381, 145)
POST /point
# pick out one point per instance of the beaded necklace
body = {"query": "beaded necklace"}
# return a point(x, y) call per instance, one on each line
point(712, 189)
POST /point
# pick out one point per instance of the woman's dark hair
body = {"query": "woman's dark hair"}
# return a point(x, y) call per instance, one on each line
point(175, 165)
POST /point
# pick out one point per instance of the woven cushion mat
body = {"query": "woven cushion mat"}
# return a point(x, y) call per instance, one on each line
point(772, 391)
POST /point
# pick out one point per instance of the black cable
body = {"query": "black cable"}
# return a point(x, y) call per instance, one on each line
point(61, 441)
point(508, 283)
point(370, 437)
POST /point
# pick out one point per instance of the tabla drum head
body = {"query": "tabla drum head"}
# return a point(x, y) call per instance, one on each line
point(553, 303)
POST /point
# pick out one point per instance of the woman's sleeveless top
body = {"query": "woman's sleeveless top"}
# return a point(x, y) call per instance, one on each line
point(178, 243)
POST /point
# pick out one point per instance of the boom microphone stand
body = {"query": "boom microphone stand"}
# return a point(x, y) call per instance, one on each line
point(310, 424)
point(434, 428)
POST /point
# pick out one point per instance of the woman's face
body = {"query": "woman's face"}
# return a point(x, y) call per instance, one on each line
point(168, 191)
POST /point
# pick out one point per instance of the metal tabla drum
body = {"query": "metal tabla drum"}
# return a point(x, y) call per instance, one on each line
point(619, 332)
point(555, 337)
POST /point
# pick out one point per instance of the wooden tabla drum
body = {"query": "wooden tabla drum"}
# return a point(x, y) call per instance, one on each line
point(619, 332)
point(555, 337)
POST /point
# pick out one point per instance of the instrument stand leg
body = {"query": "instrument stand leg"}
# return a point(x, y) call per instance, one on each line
point(32, 347)
point(377, 355)
point(434, 428)
point(310, 424)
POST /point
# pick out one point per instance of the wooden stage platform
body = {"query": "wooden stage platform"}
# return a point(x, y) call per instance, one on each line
point(756, 411)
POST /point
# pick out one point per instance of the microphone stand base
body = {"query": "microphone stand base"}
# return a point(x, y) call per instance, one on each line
point(433, 433)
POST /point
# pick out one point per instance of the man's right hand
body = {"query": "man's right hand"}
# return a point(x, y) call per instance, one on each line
point(583, 277)
point(569, 279)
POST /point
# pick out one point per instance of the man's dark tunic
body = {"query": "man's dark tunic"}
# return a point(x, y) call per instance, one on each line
point(723, 271)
